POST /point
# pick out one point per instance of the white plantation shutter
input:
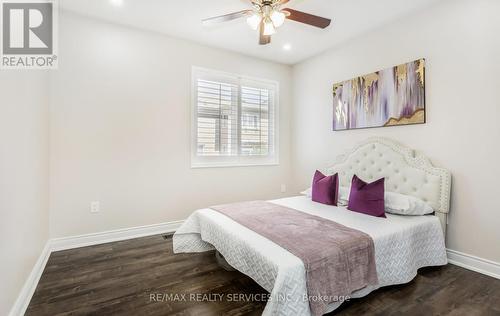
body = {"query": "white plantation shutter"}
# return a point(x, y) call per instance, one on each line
point(256, 121)
point(234, 120)
point(217, 114)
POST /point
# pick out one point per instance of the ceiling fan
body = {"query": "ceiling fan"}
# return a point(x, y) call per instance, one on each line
point(267, 16)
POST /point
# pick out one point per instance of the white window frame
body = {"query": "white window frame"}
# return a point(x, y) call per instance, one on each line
point(239, 160)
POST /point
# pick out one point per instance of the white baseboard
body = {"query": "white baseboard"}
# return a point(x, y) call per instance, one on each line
point(29, 286)
point(65, 243)
point(58, 244)
point(474, 263)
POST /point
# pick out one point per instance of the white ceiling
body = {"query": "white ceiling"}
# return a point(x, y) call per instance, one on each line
point(182, 19)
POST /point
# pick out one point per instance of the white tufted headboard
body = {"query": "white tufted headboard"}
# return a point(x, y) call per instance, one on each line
point(405, 171)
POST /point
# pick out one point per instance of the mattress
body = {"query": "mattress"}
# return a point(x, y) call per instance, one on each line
point(403, 244)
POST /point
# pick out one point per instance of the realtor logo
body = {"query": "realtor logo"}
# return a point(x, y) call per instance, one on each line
point(28, 34)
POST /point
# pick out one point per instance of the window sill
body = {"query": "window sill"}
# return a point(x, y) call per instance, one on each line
point(232, 165)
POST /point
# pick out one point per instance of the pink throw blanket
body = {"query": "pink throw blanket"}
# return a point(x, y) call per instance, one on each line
point(338, 260)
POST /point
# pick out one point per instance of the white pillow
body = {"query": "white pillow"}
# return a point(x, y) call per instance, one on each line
point(344, 196)
point(401, 204)
point(395, 203)
point(307, 192)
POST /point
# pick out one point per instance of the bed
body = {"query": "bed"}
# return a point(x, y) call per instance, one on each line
point(403, 244)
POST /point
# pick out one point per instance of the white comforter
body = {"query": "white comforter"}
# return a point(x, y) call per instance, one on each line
point(403, 244)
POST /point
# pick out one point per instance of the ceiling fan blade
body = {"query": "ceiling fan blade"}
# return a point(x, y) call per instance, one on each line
point(263, 39)
point(252, 1)
point(226, 17)
point(307, 18)
point(282, 2)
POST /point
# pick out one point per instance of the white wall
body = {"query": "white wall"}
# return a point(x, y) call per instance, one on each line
point(460, 42)
point(120, 130)
point(24, 217)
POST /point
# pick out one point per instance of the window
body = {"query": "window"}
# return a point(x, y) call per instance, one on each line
point(234, 120)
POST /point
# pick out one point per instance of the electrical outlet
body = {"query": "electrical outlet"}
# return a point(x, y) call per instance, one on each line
point(95, 207)
point(283, 188)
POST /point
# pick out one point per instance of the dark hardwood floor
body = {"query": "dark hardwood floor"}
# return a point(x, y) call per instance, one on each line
point(141, 277)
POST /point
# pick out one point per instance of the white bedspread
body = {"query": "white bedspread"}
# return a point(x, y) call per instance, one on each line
point(403, 244)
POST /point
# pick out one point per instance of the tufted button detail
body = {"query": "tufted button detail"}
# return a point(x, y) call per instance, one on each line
point(411, 172)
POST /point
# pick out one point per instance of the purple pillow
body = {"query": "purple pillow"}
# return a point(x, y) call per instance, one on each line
point(325, 188)
point(367, 198)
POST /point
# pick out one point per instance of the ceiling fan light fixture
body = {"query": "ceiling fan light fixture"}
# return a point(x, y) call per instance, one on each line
point(269, 28)
point(278, 18)
point(254, 20)
point(266, 16)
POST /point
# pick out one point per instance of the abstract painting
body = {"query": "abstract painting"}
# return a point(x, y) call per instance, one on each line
point(394, 96)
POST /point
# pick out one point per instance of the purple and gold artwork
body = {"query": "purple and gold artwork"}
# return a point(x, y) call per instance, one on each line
point(394, 96)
